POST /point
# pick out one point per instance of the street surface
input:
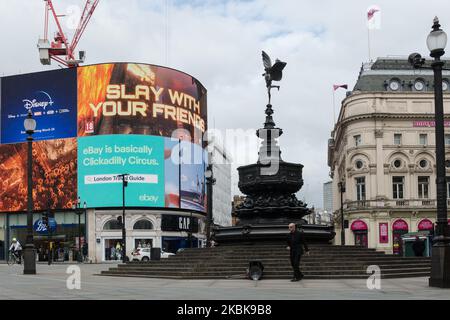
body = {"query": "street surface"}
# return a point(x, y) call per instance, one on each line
point(51, 283)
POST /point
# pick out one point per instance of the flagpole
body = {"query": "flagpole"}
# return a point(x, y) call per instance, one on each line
point(334, 110)
point(368, 42)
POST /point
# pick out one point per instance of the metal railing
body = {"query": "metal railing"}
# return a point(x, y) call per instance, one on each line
point(410, 203)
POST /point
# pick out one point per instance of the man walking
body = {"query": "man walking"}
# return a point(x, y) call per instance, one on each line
point(297, 246)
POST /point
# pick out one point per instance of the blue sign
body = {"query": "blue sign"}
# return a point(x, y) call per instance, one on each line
point(51, 97)
point(40, 227)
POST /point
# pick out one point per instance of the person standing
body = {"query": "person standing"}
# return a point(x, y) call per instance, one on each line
point(85, 251)
point(297, 246)
point(418, 247)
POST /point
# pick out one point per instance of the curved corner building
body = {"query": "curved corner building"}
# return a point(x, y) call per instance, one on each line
point(94, 123)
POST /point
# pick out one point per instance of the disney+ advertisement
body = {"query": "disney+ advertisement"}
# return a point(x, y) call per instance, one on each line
point(52, 98)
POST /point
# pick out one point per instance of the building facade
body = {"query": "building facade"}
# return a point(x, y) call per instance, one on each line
point(222, 208)
point(383, 151)
point(328, 196)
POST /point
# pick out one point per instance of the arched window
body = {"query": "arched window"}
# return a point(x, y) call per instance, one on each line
point(112, 225)
point(143, 225)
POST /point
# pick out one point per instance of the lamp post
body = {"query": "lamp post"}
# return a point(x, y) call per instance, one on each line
point(124, 245)
point(440, 258)
point(79, 212)
point(440, 261)
point(341, 185)
point(29, 255)
point(210, 181)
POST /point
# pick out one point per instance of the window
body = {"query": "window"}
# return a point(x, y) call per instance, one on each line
point(447, 139)
point(423, 139)
point(397, 187)
point(397, 138)
point(112, 225)
point(359, 164)
point(357, 139)
point(423, 163)
point(361, 189)
point(397, 163)
point(143, 225)
point(423, 187)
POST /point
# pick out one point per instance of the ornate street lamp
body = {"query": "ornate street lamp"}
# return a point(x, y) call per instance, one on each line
point(210, 181)
point(29, 255)
point(79, 212)
point(440, 260)
point(341, 185)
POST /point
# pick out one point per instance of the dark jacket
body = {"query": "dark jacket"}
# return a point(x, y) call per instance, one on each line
point(296, 242)
point(418, 247)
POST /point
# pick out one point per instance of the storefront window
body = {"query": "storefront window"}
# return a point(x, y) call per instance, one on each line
point(143, 243)
point(113, 249)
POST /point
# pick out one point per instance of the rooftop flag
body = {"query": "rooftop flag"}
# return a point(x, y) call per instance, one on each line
point(373, 17)
point(337, 86)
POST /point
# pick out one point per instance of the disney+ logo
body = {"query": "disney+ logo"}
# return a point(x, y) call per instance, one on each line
point(45, 101)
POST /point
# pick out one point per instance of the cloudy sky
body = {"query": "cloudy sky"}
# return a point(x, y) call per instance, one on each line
point(219, 42)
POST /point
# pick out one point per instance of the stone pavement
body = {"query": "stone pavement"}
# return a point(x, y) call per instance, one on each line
point(50, 283)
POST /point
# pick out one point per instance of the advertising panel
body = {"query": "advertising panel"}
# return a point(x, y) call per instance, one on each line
point(54, 175)
point(96, 122)
point(51, 97)
point(126, 98)
point(193, 181)
point(384, 234)
point(102, 158)
point(179, 223)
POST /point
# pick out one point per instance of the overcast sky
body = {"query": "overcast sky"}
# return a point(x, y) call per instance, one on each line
point(219, 42)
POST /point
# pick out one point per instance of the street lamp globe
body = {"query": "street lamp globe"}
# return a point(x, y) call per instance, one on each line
point(436, 40)
point(29, 123)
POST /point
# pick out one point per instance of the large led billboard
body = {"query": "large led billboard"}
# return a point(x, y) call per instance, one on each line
point(54, 175)
point(158, 169)
point(128, 98)
point(101, 159)
point(96, 122)
point(51, 97)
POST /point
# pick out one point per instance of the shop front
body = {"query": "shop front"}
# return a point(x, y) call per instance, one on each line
point(360, 231)
point(399, 228)
point(173, 244)
point(59, 241)
point(425, 225)
point(180, 224)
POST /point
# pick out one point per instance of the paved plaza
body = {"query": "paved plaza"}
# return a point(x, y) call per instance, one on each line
point(51, 283)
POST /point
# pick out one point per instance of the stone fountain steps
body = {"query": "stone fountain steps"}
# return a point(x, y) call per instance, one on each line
point(324, 262)
point(277, 274)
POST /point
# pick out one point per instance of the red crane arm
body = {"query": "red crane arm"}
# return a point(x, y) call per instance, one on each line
point(88, 11)
point(60, 30)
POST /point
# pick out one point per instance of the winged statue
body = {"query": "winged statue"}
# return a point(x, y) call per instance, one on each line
point(273, 72)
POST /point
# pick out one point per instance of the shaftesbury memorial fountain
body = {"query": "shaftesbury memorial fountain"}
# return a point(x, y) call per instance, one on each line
point(270, 186)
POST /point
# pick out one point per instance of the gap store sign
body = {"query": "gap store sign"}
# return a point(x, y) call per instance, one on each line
point(102, 158)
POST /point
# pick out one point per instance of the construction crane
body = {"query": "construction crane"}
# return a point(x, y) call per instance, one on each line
point(60, 49)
